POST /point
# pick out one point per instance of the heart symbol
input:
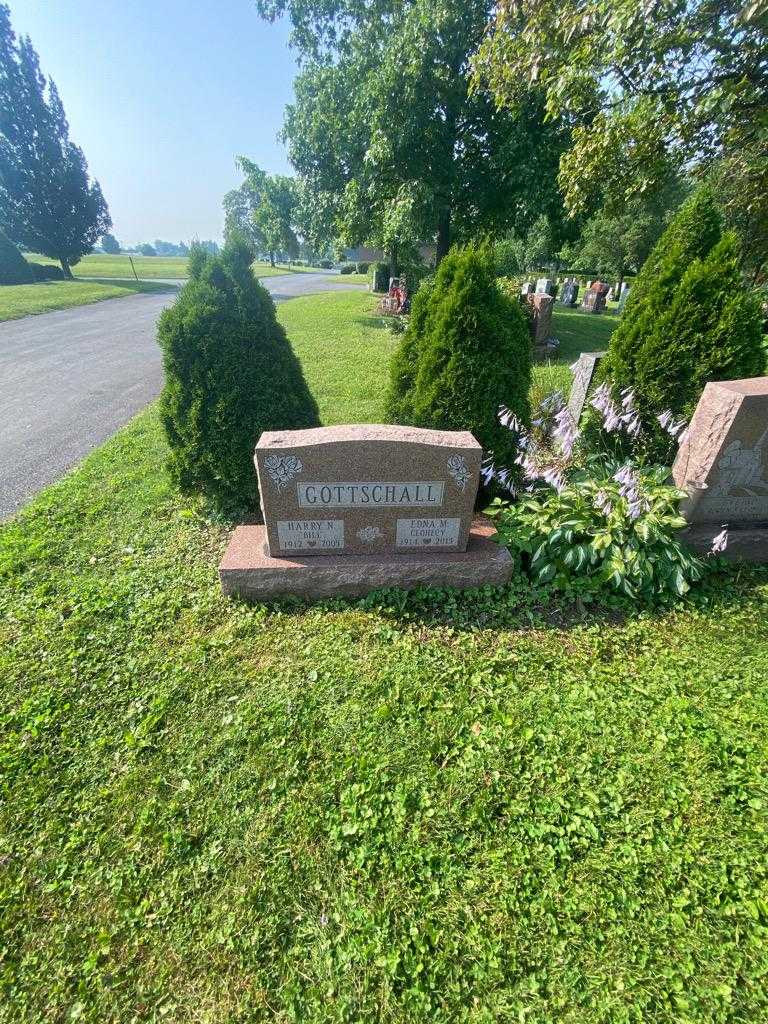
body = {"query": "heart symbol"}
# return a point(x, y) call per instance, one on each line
point(427, 540)
point(312, 543)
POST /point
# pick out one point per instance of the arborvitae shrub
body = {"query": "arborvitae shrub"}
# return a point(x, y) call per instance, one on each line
point(711, 331)
point(691, 235)
point(230, 374)
point(14, 269)
point(689, 319)
point(465, 353)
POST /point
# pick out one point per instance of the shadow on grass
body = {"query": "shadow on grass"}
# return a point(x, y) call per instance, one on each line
point(378, 323)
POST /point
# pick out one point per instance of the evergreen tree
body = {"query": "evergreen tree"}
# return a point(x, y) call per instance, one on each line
point(47, 202)
point(689, 319)
point(691, 235)
point(14, 269)
point(711, 331)
point(466, 352)
point(230, 374)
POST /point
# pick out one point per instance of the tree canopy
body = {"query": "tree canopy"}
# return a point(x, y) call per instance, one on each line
point(643, 81)
point(263, 211)
point(48, 204)
point(390, 141)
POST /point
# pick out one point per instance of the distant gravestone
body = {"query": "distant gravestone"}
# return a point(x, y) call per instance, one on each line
point(352, 508)
point(545, 286)
point(542, 306)
point(594, 298)
point(723, 465)
point(570, 294)
point(583, 372)
point(527, 289)
point(623, 296)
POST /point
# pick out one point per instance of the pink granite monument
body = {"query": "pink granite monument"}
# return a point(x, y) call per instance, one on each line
point(723, 465)
point(350, 509)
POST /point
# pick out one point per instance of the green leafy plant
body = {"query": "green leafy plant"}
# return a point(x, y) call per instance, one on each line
point(229, 375)
point(614, 529)
point(348, 268)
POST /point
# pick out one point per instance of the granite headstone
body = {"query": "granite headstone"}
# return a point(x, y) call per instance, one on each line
point(367, 489)
point(583, 372)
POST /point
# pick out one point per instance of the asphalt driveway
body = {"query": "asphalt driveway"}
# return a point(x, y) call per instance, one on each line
point(69, 379)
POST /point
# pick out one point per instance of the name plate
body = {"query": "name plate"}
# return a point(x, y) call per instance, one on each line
point(423, 533)
point(377, 494)
point(310, 534)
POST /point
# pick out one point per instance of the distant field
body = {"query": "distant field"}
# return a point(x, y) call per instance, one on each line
point(147, 267)
point(153, 267)
point(24, 299)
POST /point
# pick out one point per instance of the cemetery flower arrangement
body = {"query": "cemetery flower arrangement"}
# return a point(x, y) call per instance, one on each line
point(600, 523)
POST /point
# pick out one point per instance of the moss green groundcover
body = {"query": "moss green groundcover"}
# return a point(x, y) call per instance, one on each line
point(437, 807)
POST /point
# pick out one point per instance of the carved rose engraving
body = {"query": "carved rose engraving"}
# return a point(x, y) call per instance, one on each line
point(368, 534)
point(458, 469)
point(282, 469)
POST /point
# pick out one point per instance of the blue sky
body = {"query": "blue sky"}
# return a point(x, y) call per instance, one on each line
point(162, 95)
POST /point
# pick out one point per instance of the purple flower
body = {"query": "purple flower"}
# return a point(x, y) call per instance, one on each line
point(601, 398)
point(630, 490)
point(554, 477)
point(628, 400)
point(487, 471)
point(508, 419)
point(603, 503)
point(565, 431)
point(720, 542)
point(667, 421)
point(631, 424)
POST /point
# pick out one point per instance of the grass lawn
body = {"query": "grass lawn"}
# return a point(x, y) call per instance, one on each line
point(439, 807)
point(102, 265)
point(332, 333)
point(149, 267)
point(22, 299)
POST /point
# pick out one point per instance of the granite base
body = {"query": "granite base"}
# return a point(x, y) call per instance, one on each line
point(249, 571)
point(745, 543)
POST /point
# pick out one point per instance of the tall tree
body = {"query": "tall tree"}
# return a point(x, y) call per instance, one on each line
point(110, 244)
point(391, 138)
point(619, 237)
point(47, 202)
point(686, 77)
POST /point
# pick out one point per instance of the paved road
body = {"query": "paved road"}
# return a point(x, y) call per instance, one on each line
point(69, 379)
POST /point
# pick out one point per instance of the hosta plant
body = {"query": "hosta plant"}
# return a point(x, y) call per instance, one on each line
point(609, 526)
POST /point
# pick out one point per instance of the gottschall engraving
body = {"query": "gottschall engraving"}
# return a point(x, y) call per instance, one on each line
point(374, 493)
point(310, 534)
point(421, 533)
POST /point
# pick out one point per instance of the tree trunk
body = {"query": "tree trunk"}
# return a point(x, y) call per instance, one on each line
point(443, 236)
point(271, 258)
point(391, 258)
point(66, 268)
